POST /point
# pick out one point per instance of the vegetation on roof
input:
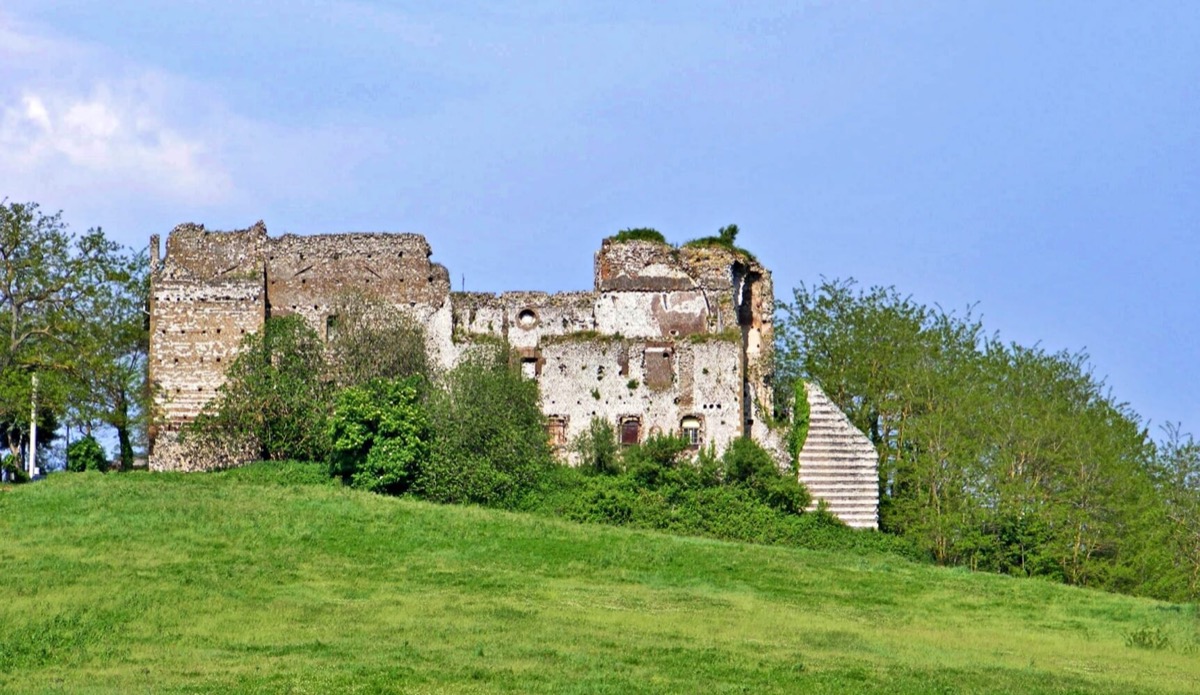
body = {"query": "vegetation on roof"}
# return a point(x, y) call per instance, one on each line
point(588, 336)
point(732, 334)
point(724, 238)
point(639, 234)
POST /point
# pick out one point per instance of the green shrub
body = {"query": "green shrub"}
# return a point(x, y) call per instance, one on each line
point(739, 496)
point(596, 448)
point(639, 234)
point(489, 434)
point(379, 435)
point(725, 238)
point(750, 465)
point(659, 460)
point(275, 402)
point(604, 500)
point(86, 454)
point(664, 486)
point(727, 512)
point(710, 469)
point(14, 472)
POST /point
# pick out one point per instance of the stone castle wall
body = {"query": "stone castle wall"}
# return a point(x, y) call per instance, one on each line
point(670, 340)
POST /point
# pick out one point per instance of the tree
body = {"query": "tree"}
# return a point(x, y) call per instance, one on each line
point(109, 379)
point(49, 280)
point(991, 454)
point(489, 434)
point(275, 402)
point(1177, 478)
point(86, 454)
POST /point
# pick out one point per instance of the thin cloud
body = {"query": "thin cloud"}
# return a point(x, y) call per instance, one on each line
point(77, 120)
point(112, 135)
point(85, 128)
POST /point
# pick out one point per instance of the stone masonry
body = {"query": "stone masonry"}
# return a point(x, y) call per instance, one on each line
point(671, 340)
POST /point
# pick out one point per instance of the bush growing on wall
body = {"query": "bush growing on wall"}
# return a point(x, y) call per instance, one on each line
point(371, 340)
point(86, 454)
point(725, 238)
point(275, 402)
point(797, 433)
point(640, 234)
point(379, 434)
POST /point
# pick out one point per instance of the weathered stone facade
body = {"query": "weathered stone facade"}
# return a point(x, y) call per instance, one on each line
point(671, 340)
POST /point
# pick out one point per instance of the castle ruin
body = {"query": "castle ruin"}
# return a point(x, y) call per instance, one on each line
point(670, 340)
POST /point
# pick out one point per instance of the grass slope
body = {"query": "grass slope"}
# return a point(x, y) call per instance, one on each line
point(229, 582)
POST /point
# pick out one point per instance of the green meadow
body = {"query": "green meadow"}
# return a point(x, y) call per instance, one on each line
point(253, 581)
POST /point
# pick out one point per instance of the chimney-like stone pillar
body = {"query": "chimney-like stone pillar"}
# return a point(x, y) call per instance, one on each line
point(153, 251)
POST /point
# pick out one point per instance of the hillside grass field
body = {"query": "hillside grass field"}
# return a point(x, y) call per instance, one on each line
point(260, 581)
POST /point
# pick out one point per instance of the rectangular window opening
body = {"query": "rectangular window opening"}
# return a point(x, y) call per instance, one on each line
point(631, 430)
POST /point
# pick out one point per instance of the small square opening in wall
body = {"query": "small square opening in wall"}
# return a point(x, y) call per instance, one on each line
point(531, 363)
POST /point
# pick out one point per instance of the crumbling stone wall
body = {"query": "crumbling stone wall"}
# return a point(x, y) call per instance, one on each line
point(655, 383)
point(306, 274)
point(204, 298)
point(671, 340)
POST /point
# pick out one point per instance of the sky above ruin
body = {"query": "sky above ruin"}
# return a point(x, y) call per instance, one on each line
point(1039, 159)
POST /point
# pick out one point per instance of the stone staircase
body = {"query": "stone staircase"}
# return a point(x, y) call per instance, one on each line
point(838, 464)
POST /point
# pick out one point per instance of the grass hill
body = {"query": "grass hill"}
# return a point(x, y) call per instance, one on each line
point(251, 581)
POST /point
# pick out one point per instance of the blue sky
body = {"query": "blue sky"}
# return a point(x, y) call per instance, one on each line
point(1041, 159)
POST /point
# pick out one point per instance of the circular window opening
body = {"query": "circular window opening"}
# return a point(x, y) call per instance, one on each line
point(527, 318)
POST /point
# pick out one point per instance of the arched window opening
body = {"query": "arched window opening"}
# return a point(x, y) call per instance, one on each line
point(690, 430)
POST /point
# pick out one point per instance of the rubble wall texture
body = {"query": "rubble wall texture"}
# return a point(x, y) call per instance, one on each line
point(204, 299)
point(307, 274)
point(669, 338)
point(615, 380)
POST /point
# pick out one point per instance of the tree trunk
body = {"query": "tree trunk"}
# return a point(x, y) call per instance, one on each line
point(121, 425)
point(126, 448)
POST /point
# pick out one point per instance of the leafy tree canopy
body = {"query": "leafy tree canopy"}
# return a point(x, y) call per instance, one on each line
point(991, 454)
point(69, 311)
